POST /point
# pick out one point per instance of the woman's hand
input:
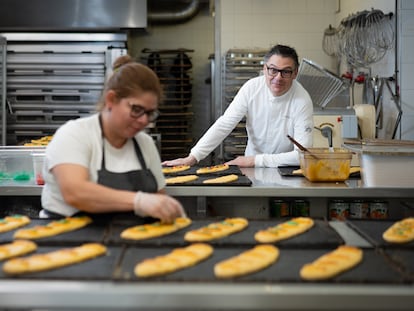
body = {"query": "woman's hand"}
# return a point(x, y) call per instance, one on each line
point(190, 160)
point(158, 205)
point(242, 161)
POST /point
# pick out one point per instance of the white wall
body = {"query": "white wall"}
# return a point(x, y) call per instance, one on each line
point(263, 23)
point(406, 65)
point(298, 23)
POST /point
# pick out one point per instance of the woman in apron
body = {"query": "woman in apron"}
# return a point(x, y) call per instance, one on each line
point(105, 162)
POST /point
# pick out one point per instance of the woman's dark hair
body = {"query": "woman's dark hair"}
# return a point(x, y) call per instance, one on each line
point(130, 78)
point(284, 51)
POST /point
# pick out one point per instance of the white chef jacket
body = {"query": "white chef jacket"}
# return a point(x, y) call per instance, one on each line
point(268, 120)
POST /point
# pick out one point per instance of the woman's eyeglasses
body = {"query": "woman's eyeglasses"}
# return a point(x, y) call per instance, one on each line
point(138, 111)
point(285, 73)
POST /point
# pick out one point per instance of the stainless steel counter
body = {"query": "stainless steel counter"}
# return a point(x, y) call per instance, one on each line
point(92, 295)
point(266, 182)
point(269, 183)
point(72, 295)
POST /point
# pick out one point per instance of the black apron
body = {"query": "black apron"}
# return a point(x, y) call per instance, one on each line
point(136, 180)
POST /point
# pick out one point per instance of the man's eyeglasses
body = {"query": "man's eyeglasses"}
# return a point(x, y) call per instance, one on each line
point(285, 73)
point(138, 111)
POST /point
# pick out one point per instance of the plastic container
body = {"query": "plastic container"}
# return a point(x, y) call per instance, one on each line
point(16, 163)
point(325, 165)
point(38, 160)
point(386, 163)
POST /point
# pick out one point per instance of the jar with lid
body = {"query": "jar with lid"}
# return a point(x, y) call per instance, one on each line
point(358, 209)
point(300, 208)
point(279, 208)
point(338, 210)
point(378, 209)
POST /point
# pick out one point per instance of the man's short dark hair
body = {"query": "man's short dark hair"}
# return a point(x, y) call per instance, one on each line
point(284, 51)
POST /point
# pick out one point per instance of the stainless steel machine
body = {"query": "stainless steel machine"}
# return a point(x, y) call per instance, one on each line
point(334, 117)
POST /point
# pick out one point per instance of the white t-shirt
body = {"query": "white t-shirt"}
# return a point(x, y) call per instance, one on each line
point(80, 142)
point(268, 120)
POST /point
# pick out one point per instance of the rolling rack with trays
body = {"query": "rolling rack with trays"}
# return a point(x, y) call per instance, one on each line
point(173, 67)
point(239, 65)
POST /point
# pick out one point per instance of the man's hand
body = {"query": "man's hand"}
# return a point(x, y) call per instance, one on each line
point(242, 161)
point(190, 160)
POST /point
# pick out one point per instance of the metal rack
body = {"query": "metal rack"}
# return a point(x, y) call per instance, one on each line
point(173, 67)
point(54, 78)
point(239, 65)
point(3, 76)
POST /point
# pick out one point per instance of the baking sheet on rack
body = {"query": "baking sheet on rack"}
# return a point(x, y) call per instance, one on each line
point(372, 230)
point(321, 235)
point(373, 269)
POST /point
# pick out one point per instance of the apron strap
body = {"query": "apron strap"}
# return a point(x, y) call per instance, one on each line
point(139, 154)
point(103, 149)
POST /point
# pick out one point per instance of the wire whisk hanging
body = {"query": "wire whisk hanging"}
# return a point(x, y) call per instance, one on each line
point(362, 38)
point(330, 41)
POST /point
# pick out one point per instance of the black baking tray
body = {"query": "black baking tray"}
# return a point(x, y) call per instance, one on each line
point(90, 233)
point(242, 181)
point(374, 268)
point(372, 230)
point(233, 169)
point(99, 268)
point(287, 171)
point(404, 258)
point(321, 235)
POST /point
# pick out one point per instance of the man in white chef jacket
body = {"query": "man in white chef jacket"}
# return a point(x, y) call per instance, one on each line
point(275, 105)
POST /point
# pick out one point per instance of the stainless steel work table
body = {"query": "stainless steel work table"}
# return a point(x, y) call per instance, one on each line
point(93, 295)
point(266, 182)
point(269, 182)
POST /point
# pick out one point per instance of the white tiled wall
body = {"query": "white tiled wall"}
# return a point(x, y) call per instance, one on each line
point(298, 23)
point(407, 67)
point(264, 23)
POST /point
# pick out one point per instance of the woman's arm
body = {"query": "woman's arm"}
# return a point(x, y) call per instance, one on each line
point(78, 191)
